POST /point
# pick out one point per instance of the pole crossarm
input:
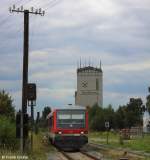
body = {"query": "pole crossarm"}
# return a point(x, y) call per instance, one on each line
point(32, 11)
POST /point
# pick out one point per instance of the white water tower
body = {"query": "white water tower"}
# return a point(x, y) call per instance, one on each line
point(89, 86)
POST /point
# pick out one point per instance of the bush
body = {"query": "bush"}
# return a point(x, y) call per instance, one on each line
point(7, 133)
point(98, 116)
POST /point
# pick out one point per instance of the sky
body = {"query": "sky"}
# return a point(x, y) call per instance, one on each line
point(117, 32)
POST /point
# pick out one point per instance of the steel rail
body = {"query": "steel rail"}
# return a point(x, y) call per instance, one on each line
point(66, 155)
point(103, 147)
point(89, 155)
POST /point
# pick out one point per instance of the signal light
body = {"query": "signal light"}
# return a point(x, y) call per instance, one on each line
point(31, 9)
point(10, 10)
point(31, 91)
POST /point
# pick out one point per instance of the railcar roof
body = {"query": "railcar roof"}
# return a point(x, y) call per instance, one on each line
point(69, 107)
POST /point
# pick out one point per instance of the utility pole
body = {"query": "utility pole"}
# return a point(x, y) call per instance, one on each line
point(25, 62)
point(32, 122)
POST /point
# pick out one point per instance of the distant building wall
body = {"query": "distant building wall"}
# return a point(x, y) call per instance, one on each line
point(89, 86)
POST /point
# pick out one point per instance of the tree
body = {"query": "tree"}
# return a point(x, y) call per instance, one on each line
point(92, 111)
point(6, 105)
point(134, 112)
point(109, 115)
point(120, 117)
point(45, 112)
point(7, 121)
point(8, 132)
point(130, 114)
point(43, 120)
point(96, 118)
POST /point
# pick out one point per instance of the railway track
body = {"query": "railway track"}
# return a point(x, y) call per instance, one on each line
point(103, 147)
point(81, 155)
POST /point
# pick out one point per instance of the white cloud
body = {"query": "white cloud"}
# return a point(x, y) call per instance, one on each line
point(10, 84)
point(57, 94)
point(117, 98)
point(130, 67)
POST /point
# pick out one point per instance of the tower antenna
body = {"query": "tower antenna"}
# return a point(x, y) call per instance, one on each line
point(77, 64)
point(89, 61)
point(80, 62)
point(100, 64)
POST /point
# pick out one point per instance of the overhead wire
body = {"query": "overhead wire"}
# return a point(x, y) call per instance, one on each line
point(13, 29)
point(52, 4)
point(35, 23)
point(32, 32)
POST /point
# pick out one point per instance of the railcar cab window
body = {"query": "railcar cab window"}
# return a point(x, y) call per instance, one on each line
point(64, 116)
point(71, 119)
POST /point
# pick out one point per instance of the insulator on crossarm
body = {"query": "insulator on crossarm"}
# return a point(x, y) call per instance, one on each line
point(21, 8)
point(14, 7)
point(10, 10)
point(36, 12)
point(32, 9)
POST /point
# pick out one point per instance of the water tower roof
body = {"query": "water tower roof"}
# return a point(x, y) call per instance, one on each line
point(89, 68)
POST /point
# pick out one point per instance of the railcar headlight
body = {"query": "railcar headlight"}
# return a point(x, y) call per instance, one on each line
point(82, 132)
point(59, 132)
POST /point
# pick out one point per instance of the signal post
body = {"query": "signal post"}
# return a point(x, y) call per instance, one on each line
point(31, 96)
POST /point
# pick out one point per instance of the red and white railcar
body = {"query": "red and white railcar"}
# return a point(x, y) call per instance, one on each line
point(68, 127)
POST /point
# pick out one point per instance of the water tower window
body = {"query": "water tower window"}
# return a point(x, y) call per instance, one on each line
point(97, 84)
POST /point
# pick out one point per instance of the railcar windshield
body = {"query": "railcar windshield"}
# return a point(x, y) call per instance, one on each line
point(71, 119)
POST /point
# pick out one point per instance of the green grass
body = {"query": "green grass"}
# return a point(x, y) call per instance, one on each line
point(140, 144)
point(41, 148)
